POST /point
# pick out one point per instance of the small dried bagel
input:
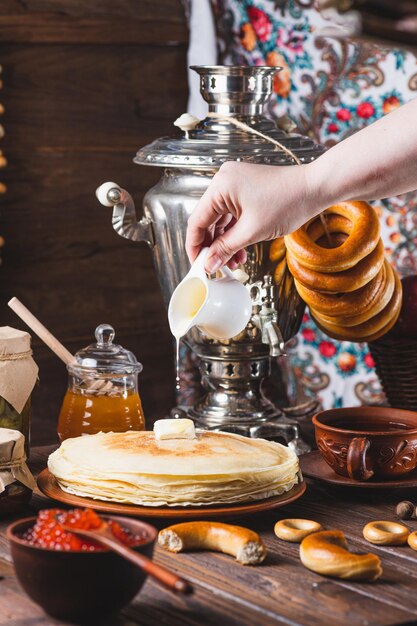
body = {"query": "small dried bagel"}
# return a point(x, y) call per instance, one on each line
point(295, 530)
point(339, 282)
point(327, 553)
point(328, 225)
point(361, 241)
point(245, 545)
point(387, 291)
point(368, 339)
point(335, 241)
point(372, 329)
point(338, 266)
point(277, 249)
point(385, 533)
point(280, 270)
point(373, 324)
point(357, 301)
point(412, 540)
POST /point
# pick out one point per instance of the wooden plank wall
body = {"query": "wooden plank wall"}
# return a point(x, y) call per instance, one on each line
point(85, 85)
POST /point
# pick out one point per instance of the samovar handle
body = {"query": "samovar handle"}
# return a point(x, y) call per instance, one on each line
point(124, 218)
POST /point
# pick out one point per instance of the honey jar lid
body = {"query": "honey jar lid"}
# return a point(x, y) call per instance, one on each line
point(104, 356)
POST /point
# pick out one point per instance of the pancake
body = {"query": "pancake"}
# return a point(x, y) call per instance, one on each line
point(213, 468)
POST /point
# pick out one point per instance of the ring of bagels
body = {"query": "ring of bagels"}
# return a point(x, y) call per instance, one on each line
point(339, 270)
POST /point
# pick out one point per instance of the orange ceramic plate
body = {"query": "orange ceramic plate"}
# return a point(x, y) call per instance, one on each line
point(48, 485)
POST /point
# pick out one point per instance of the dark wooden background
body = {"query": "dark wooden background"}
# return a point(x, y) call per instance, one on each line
point(85, 84)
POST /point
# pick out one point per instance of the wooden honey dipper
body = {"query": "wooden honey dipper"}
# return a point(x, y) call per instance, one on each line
point(52, 342)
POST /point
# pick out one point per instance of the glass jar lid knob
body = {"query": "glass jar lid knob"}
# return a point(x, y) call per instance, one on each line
point(104, 335)
point(106, 357)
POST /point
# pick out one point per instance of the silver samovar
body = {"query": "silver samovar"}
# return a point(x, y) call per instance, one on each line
point(232, 371)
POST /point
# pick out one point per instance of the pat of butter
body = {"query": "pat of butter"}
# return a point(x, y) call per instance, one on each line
point(174, 429)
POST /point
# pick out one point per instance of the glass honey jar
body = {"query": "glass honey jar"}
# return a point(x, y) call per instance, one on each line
point(102, 393)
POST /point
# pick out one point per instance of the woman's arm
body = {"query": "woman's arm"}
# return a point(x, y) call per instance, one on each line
point(377, 162)
point(248, 203)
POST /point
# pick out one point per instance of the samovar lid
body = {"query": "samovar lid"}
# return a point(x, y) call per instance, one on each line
point(231, 91)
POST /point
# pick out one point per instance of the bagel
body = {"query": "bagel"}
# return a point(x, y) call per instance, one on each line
point(360, 242)
point(327, 553)
point(295, 530)
point(412, 540)
point(387, 291)
point(277, 250)
point(368, 339)
point(336, 240)
point(358, 301)
point(374, 327)
point(327, 229)
point(245, 545)
point(386, 533)
point(280, 270)
point(346, 281)
point(376, 317)
point(339, 270)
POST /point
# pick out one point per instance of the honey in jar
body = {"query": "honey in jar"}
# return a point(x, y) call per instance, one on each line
point(102, 393)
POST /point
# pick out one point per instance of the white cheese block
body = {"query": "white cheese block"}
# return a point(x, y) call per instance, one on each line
point(174, 429)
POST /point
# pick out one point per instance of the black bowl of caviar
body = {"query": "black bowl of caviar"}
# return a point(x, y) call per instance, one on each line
point(69, 577)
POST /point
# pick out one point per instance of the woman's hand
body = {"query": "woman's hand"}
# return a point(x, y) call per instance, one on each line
point(245, 204)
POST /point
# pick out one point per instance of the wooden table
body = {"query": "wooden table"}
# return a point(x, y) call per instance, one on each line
point(281, 591)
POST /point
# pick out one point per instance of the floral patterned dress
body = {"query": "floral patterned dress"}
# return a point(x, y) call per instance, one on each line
point(331, 88)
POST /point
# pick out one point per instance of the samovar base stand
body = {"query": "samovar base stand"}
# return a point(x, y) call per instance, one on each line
point(280, 429)
point(234, 402)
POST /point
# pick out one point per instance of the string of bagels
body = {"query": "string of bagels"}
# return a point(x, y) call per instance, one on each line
point(338, 263)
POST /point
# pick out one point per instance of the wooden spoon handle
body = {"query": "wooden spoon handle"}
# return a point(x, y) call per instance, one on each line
point(42, 332)
point(160, 573)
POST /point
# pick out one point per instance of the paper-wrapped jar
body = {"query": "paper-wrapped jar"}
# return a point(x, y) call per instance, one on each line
point(16, 481)
point(18, 375)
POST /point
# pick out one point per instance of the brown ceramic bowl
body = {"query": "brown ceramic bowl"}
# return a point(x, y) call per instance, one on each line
point(362, 442)
point(78, 585)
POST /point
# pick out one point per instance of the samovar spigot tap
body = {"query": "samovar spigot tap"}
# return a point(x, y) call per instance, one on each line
point(266, 319)
point(124, 219)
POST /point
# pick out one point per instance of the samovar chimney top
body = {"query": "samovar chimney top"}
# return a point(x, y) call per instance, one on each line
point(230, 91)
point(234, 89)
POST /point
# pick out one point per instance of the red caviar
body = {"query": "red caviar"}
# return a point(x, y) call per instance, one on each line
point(48, 531)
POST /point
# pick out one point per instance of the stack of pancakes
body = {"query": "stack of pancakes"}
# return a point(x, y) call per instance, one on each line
point(340, 271)
point(135, 468)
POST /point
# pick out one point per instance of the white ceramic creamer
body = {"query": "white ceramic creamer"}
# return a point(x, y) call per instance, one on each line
point(220, 307)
